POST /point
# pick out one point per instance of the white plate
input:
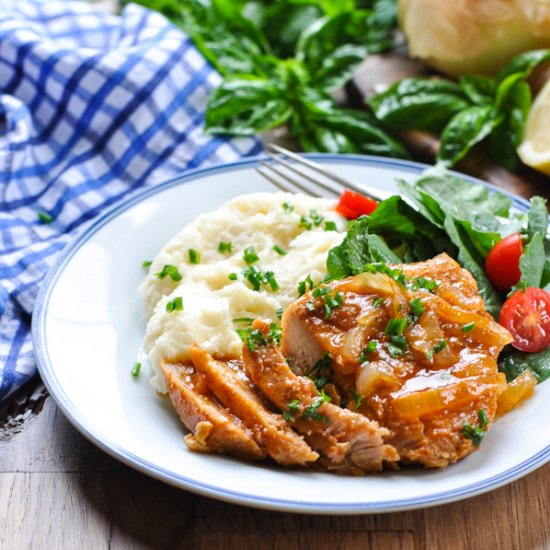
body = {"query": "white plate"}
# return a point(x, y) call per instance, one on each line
point(88, 325)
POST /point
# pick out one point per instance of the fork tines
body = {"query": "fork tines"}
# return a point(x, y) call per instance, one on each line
point(303, 174)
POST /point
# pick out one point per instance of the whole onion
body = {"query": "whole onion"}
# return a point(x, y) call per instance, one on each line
point(473, 36)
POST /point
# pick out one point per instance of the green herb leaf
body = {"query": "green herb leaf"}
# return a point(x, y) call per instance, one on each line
point(532, 262)
point(279, 250)
point(174, 305)
point(250, 256)
point(194, 256)
point(169, 271)
point(225, 247)
point(146, 264)
point(537, 218)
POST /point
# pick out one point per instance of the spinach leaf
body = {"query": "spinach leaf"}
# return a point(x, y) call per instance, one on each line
point(531, 262)
point(244, 107)
point(380, 251)
point(537, 218)
point(468, 258)
point(419, 104)
point(513, 362)
point(465, 130)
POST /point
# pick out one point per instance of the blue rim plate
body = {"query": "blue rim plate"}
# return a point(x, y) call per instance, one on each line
point(87, 328)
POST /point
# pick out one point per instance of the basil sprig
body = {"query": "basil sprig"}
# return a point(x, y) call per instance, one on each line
point(467, 112)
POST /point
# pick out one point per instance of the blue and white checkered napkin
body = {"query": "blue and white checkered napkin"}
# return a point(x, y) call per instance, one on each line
point(92, 108)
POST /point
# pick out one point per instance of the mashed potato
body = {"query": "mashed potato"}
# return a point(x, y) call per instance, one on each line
point(211, 300)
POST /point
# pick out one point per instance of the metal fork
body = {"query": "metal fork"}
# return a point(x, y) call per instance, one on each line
point(312, 177)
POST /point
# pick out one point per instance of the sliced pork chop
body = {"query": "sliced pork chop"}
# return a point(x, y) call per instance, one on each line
point(348, 442)
point(417, 347)
point(231, 386)
point(213, 428)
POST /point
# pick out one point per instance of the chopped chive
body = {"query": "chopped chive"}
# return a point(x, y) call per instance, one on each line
point(269, 278)
point(468, 327)
point(395, 326)
point(146, 264)
point(377, 302)
point(426, 284)
point(364, 355)
point(174, 305)
point(250, 256)
point(135, 370)
point(287, 207)
point(305, 223)
point(475, 433)
point(394, 351)
point(330, 226)
point(225, 247)
point(279, 313)
point(483, 420)
point(292, 409)
point(232, 276)
point(417, 309)
point(194, 256)
point(440, 346)
point(316, 218)
point(246, 320)
point(279, 250)
point(169, 271)
point(302, 285)
point(357, 398)
point(44, 217)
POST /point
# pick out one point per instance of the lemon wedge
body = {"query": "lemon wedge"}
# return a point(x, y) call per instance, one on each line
point(535, 148)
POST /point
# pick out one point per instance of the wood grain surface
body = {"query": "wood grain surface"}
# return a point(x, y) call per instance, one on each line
point(58, 491)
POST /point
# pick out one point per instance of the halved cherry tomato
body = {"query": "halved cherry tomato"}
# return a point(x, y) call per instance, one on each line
point(526, 314)
point(352, 205)
point(502, 263)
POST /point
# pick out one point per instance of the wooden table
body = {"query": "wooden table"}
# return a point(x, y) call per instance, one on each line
point(58, 491)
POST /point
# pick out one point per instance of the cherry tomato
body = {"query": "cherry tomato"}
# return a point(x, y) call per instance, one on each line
point(527, 316)
point(502, 263)
point(352, 205)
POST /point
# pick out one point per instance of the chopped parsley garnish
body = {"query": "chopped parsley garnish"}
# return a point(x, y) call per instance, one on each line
point(279, 250)
point(225, 247)
point(468, 327)
point(417, 309)
point(483, 420)
point(357, 398)
point(395, 326)
point(279, 313)
point(377, 302)
point(136, 368)
point(44, 217)
point(146, 264)
point(396, 274)
point(475, 433)
point(330, 226)
point(169, 271)
point(440, 346)
point(250, 256)
point(174, 305)
point(313, 410)
point(246, 320)
point(321, 371)
point(292, 409)
point(302, 285)
point(287, 207)
point(316, 218)
point(305, 223)
point(232, 276)
point(424, 283)
point(364, 355)
point(194, 256)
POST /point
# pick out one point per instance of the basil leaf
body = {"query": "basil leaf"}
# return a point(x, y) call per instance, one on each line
point(523, 64)
point(332, 47)
point(465, 130)
point(513, 363)
point(537, 218)
point(245, 107)
point(419, 104)
point(345, 131)
point(480, 90)
point(531, 262)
